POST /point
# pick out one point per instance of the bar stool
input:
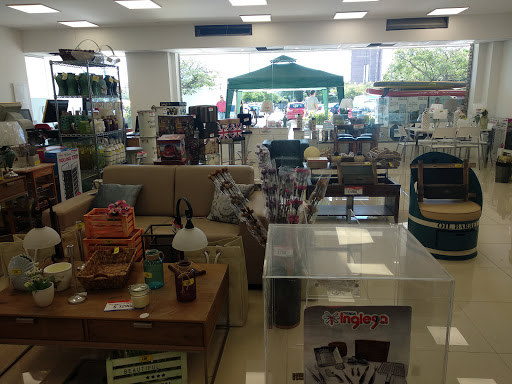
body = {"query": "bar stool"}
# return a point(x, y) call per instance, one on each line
point(364, 143)
point(345, 143)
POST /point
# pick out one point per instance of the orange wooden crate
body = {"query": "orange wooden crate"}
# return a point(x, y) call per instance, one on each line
point(98, 224)
point(132, 241)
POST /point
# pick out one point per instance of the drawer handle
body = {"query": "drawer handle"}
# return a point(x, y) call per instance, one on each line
point(142, 325)
point(25, 320)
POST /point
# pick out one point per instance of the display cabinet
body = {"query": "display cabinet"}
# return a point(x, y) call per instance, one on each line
point(97, 85)
point(354, 304)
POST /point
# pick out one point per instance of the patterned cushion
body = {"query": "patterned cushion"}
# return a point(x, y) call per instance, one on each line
point(222, 210)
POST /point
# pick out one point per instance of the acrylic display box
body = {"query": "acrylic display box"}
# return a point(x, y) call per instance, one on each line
point(354, 304)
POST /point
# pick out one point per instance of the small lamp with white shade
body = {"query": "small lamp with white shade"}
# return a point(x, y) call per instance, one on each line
point(188, 238)
point(11, 134)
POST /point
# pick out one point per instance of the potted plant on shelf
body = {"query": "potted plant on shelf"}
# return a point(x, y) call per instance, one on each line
point(40, 286)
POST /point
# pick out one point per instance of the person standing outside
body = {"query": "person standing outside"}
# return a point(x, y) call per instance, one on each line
point(221, 108)
point(311, 103)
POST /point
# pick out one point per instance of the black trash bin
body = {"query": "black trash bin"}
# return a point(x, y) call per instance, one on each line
point(503, 172)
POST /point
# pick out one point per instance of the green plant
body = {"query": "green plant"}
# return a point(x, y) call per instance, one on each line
point(37, 281)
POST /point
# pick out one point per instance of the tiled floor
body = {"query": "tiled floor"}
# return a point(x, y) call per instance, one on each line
point(482, 311)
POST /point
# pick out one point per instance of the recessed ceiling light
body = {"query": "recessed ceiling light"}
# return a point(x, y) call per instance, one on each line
point(33, 8)
point(255, 18)
point(78, 24)
point(138, 4)
point(447, 11)
point(349, 15)
point(245, 3)
point(358, 1)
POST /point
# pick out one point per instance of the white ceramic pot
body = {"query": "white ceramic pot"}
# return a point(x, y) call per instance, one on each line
point(44, 297)
point(62, 274)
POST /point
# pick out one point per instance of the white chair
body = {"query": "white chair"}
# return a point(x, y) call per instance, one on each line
point(469, 137)
point(405, 140)
point(443, 138)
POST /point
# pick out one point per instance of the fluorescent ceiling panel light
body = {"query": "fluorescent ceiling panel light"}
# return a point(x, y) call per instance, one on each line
point(33, 8)
point(349, 15)
point(245, 3)
point(358, 1)
point(255, 18)
point(78, 24)
point(447, 11)
point(439, 335)
point(476, 381)
point(138, 4)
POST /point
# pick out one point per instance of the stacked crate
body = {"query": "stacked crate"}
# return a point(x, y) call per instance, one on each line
point(104, 232)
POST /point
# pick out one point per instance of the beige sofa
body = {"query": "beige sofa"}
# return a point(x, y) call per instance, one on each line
point(163, 185)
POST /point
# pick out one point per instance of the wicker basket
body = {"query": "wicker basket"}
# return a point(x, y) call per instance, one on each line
point(107, 269)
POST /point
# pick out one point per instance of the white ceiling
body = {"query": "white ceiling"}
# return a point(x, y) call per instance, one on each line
point(107, 13)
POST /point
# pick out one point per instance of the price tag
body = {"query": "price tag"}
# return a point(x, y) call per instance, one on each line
point(186, 283)
point(115, 80)
point(367, 163)
point(457, 165)
point(116, 250)
point(353, 191)
point(390, 164)
point(283, 251)
point(210, 109)
point(15, 271)
point(145, 358)
point(79, 225)
point(212, 134)
point(95, 78)
point(118, 306)
point(111, 79)
point(64, 76)
point(37, 162)
point(148, 275)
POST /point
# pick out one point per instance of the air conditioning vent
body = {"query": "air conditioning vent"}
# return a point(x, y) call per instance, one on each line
point(224, 30)
point(416, 23)
point(267, 49)
point(381, 45)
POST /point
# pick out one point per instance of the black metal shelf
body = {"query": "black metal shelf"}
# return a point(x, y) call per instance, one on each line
point(82, 64)
point(99, 134)
point(87, 97)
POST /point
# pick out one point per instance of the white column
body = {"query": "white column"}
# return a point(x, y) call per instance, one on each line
point(152, 77)
point(13, 69)
point(486, 80)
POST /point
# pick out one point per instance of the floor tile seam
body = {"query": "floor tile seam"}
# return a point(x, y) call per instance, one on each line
point(480, 331)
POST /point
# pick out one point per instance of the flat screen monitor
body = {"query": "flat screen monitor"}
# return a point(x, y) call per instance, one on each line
point(50, 115)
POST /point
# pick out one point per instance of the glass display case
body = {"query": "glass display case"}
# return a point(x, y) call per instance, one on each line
point(354, 304)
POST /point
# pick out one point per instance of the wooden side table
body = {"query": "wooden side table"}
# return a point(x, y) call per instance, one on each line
point(10, 189)
point(40, 182)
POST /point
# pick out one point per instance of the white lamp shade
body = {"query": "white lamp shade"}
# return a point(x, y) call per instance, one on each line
point(267, 106)
point(347, 104)
point(40, 238)
point(11, 133)
point(189, 239)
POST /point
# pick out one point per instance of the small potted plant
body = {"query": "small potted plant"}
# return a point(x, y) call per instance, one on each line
point(41, 286)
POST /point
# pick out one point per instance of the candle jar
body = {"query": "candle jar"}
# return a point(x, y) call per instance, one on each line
point(140, 295)
point(185, 279)
point(154, 269)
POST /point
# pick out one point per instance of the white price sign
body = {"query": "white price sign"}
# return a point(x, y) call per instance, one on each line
point(118, 306)
point(283, 251)
point(353, 190)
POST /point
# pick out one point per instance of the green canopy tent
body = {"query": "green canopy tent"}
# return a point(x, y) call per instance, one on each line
point(283, 73)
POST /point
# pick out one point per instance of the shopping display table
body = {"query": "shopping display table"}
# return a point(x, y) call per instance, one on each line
point(385, 187)
point(187, 327)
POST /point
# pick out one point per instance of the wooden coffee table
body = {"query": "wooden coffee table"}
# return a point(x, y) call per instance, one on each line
point(171, 325)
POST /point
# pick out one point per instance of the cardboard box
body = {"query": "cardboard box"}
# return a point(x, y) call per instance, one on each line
point(67, 171)
point(317, 162)
point(171, 147)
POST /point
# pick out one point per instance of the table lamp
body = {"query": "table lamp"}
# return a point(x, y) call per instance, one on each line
point(188, 238)
point(11, 134)
point(40, 236)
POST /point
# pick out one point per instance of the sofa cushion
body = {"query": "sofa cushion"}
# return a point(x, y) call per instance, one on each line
point(157, 195)
point(145, 221)
point(192, 183)
point(222, 210)
point(110, 193)
point(215, 230)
